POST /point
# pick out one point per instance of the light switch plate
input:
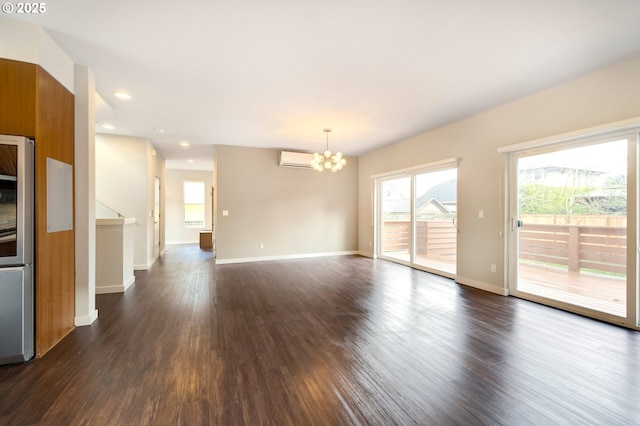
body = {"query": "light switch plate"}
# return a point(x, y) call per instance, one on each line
point(225, 212)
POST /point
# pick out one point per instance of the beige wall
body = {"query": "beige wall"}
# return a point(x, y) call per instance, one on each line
point(293, 212)
point(125, 168)
point(155, 168)
point(603, 97)
point(26, 42)
point(176, 232)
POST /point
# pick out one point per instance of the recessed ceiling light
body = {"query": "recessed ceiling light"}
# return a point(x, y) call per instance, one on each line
point(189, 160)
point(123, 95)
point(184, 144)
point(108, 126)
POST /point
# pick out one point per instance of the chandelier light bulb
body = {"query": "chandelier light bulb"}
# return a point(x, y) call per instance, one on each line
point(327, 160)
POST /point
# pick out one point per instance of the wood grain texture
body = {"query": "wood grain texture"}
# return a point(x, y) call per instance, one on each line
point(327, 341)
point(34, 104)
point(55, 252)
point(17, 98)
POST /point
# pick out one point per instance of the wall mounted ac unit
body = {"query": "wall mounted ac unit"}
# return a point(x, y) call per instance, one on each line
point(299, 160)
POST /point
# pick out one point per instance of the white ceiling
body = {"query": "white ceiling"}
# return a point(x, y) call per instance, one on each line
point(275, 73)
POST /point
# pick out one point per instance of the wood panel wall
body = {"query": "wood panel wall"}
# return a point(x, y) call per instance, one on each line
point(34, 104)
point(17, 98)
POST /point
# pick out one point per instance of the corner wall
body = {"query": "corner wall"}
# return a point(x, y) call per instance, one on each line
point(602, 97)
point(155, 232)
point(125, 170)
point(292, 212)
point(85, 197)
point(25, 42)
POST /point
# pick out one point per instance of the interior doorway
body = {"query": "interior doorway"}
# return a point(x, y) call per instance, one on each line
point(156, 218)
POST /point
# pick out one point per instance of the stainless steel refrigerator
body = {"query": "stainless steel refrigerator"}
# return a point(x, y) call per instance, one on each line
point(16, 249)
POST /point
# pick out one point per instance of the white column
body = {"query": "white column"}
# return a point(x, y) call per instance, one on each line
point(85, 196)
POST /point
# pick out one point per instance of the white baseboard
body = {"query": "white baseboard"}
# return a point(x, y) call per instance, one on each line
point(286, 257)
point(84, 320)
point(367, 254)
point(117, 288)
point(482, 286)
point(144, 267)
point(181, 242)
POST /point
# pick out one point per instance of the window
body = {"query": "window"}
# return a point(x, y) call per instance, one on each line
point(572, 237)
point(194, 211)
point(416, 219)
point(571, 226)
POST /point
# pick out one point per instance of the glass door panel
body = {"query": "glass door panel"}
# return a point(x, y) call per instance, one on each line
point(395, 229)
point(572, 226)
point(435, 220)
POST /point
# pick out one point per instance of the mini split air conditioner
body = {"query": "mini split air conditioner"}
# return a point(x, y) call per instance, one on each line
point(298, 160)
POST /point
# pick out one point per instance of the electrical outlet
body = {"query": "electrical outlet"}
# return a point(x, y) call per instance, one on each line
point(493, 267)
point(261, 245)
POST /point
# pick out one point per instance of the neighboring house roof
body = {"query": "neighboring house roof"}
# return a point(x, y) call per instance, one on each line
point(445, 193)
point(443, 196)
point(433, 205)
point(555, 168)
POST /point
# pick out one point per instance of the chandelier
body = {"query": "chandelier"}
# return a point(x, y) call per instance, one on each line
point(327, 161)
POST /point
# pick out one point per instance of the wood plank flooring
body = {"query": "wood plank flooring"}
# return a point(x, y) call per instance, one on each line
point(327, 341)
point(597, 292)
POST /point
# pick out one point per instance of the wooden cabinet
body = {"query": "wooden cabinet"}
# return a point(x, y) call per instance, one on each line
point(206, 239)
point(36, 105)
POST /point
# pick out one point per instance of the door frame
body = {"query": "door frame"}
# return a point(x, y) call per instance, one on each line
point(157, 214)
point(379, 218)
point(582, 137)
point(376, 182)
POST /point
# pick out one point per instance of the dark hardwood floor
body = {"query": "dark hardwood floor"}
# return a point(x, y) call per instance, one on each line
point(326, 341)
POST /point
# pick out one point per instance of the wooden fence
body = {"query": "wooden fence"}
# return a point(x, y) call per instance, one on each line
point(561, 219)
point(432, 237)
point(598, 248)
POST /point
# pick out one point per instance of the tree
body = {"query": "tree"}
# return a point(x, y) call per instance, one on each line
point(536, 198)
point(610, 198)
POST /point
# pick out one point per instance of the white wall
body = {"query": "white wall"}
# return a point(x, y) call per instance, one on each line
point(176, 233)
point(293, 212)
point(26, 42)
point(125, 168)
point(602, 97)
point(155, 168)
point(84, 185)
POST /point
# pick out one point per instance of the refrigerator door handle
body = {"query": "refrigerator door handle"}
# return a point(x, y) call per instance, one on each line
point(13, 268)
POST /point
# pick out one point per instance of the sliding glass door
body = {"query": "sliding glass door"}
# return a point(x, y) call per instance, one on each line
point(395, 226)
point(570, 210)
point(435, 201)
point(417, 218)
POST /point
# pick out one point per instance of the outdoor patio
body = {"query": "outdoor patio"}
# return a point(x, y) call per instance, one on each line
point(575, 264)
point(593, 291)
